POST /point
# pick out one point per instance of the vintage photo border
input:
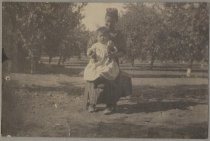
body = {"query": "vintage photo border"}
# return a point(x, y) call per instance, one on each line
point(93, 139)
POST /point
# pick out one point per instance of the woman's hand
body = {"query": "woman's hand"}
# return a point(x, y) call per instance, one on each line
point(119, 54)
point(110, 43)
point(112, 55)
point(89, 52)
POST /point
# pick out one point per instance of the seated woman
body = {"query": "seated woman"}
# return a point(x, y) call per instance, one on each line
point(102, 66)
point(104, 91)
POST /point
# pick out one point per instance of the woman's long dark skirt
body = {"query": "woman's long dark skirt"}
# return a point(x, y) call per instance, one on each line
point(107, 92)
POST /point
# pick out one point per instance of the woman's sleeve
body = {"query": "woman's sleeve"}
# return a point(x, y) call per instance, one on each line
point(88, 51)
point(121, 45)
point(92, 40)
point(91, 49)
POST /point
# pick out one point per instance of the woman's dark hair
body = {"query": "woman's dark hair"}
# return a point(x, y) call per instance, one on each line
point(4, 56)
point(112, 13)
point(104, 31)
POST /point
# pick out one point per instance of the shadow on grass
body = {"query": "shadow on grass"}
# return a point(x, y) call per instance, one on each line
point(57, 69)
point(180, 69)
point(156, 106)
point(11, 119)
point(75, 70)
point(187, 95)
point(128, 130)
point(170, 92)
point(152, 99)
point(71, 90)
point(167, 67)
point(168, 76)
point(67, 87)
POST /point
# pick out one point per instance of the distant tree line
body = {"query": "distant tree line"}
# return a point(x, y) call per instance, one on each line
point(153, 31)
point(167, 31)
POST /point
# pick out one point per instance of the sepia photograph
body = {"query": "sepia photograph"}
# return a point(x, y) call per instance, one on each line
point(105, 70)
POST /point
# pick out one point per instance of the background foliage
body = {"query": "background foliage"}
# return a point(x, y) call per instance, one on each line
point(157, 31)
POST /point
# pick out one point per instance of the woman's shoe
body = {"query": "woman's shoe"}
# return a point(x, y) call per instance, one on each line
point(91, 109)
point(108, 111)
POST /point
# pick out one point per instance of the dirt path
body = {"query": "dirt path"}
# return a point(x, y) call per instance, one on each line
point(51, 105)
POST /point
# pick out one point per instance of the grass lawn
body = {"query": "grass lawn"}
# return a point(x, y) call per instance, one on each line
point(160, 107)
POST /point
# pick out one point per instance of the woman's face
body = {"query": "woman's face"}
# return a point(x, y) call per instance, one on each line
point(101, 38)
point(109, 22)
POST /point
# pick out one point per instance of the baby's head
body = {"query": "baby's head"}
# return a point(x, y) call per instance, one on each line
point(103, 35)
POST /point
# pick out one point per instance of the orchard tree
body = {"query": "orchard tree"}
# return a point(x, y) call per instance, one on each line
point(75, 43)
point(145, 31)
point(189, 22)
point(169, 31)
point(36, 27)
point(59, 23)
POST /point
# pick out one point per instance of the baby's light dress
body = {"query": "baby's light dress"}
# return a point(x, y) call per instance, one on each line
point(108, 68)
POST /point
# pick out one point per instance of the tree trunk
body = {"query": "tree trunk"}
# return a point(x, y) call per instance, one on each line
point(191, 63)
point(50, 59)
point(202, 63)
point(63, 60)
point(34, 63)
point(79, 57)
point(21, 60)
point(59, 60)
point(189, 69)
point(132, 62)
point(152, 62)
point(15, 62)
